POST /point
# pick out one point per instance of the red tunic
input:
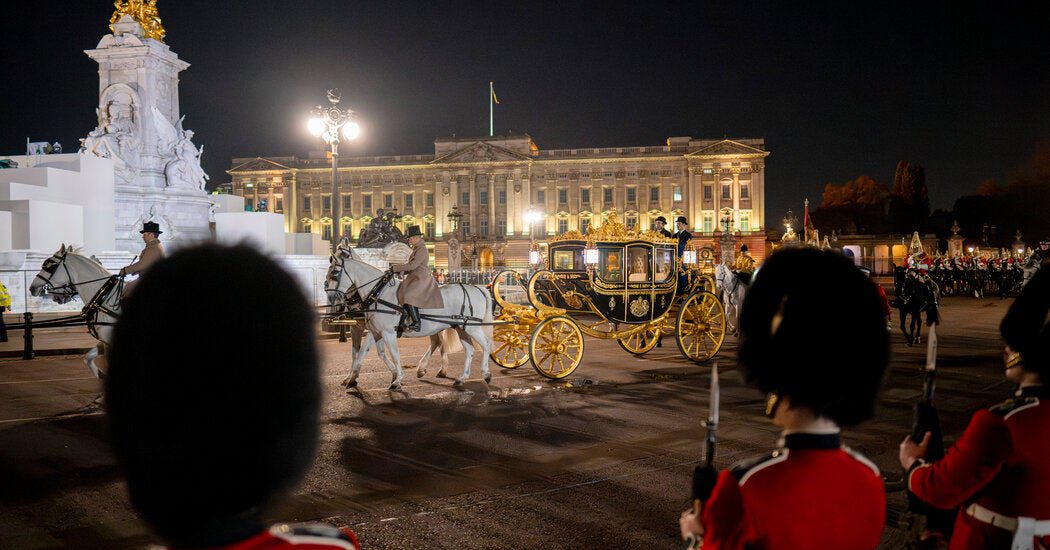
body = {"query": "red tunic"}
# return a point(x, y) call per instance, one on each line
point(304, 536)
point(1001, 462)
point(811, 493)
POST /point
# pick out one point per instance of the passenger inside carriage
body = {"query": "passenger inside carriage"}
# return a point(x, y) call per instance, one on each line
point(639, 267)
point(613, 268)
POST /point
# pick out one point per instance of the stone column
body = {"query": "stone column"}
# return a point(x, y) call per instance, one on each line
point(493, 203)
point(526, 201)
point(291, 206)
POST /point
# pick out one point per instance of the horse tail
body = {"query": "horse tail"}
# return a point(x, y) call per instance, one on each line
point(933, 316)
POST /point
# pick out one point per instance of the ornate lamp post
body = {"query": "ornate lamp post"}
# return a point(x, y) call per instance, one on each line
point(326, 123)
point(532, 217)
point(454, 216)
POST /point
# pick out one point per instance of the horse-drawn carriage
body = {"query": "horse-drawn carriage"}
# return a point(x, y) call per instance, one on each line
point(614, 284)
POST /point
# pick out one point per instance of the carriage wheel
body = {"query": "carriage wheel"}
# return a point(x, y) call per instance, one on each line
point(556, 347)
point(701, 326)
point(511, 347)
point(642, 342)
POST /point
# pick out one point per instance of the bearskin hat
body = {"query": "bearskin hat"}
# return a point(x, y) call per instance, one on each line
point(1026, 326)
point(212, 394)
point(813, 329)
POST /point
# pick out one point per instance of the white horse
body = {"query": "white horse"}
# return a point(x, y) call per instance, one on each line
point(346, 300)
point(382, 320)
point(732, 294)
point(67, 274)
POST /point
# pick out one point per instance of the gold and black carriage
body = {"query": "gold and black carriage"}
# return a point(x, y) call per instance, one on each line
point(615, 284)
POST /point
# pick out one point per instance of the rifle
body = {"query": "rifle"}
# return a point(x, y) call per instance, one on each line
point(705, 476)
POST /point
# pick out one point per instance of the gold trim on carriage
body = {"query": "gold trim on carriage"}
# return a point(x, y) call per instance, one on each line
point(612, 283)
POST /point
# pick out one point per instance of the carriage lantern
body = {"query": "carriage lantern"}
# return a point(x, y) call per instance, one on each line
point(689, 255)
point(535, 258)
point(590, 254)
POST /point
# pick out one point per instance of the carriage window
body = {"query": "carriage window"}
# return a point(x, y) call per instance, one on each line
point(664, 265)
point(638, 264)
point(612, 265)
point(568, 260)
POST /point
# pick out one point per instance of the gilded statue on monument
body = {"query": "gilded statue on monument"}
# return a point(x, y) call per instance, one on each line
point(142, 11)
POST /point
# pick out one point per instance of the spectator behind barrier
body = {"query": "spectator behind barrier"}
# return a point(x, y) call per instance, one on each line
point(212, 398)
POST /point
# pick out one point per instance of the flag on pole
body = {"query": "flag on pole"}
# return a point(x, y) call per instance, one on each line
point(492, 98)
point(493, 91)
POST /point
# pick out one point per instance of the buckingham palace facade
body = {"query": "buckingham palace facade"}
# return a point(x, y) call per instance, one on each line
point(492, 184)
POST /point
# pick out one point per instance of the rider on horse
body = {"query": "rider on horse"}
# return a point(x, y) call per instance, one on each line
point(151, 253)
point(419, 289)
point(744, 265)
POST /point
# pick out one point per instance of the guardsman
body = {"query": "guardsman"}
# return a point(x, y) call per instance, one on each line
point(998, 472)
point(659, 226)
point(151, 253)
point(5, 302)
point(419, 289)
point(812, 491)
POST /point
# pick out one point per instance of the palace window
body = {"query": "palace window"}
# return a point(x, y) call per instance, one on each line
point(347, 203)
point(727, 191)
point(541, 198)
point(654, 174)
point(307, 227)
point(607, 195)
point(501, 196)
point(483, 198)
point(585, 198)
point(745, 221)
point(654, 194)
point(631, 222)
point(483, 227)
point(501, 226)
point(366, 202)
point(278, 205)
point(430, 199)
point(677, 191)
point(708, 171)
point(464, 226)
point(745, 191)
point(585, 225)
point(388, 200)
point(465, 198)
point(409, 200)
point(326, 231)
point(632, 195)
point(306, 204)
point(563, 196)
point(563, 225)
point(428, 230)
point(709, 223)
point(326, 203)
point(709, 193)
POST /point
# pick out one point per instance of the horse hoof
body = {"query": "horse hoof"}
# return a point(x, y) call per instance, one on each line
point(457, 384)
point(351, 384)
point(396, 386)
point(420, 373)
point(488, 378)
point(441, 374)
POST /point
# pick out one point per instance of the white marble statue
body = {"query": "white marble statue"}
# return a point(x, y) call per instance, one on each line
point(114, 137)
point(183, 168)
point(455, 258)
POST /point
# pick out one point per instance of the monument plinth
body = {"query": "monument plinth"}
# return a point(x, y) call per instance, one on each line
point(158, 176)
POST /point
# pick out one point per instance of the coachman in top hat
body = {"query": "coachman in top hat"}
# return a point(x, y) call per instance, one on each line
point(151, 253)
point(419, 289)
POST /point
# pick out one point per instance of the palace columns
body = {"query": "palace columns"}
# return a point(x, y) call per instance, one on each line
point(493, 202)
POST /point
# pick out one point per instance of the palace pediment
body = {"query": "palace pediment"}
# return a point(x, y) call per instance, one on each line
point(480, 152)
point(728, 147)
point(259, 164)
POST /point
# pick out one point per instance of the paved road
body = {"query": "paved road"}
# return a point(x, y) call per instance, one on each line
point(601, 460)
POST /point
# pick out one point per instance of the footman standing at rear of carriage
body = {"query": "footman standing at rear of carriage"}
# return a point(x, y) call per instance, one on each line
point(419, 289)
point(998, 472)
point(683, 235)
point(812, 491)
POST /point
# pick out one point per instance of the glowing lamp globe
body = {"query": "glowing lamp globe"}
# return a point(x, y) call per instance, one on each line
point(316, 126)
point(590, 256)
point(535, 258)
point(689, 257)
point(351, 130)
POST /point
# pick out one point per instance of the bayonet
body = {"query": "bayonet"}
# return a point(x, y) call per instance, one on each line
point(705, 476)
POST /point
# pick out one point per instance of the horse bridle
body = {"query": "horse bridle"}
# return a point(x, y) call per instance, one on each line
point(335, 273)
point(50, 267)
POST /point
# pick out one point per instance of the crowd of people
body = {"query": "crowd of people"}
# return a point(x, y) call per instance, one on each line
point(205, 475)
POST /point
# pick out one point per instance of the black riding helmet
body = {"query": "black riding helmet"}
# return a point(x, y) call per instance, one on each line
point(813, 330)
point(1026, 326)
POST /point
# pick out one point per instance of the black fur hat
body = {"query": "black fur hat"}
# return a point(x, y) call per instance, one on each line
point(1026, 326)
point(212, 395)
point(813, 329)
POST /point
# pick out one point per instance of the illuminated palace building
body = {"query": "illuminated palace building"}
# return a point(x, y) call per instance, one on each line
point(492, 185)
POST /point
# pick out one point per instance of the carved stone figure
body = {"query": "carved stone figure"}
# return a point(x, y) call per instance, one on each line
point(455, 254)
point(114, 137)
point(380, 232)
point(183, 159)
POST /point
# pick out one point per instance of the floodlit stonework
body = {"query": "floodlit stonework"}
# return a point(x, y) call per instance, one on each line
point(494, 181)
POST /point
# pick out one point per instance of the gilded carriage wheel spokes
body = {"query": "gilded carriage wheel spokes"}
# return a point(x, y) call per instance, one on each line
point(701, 326)
point(642, 341)
point(556, 347)
point(511, 347)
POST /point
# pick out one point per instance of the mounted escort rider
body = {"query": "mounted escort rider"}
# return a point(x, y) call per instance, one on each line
point(743, 266)
point(419, 289)
point(151, 253)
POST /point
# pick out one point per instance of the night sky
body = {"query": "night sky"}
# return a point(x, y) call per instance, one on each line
point(837, 90)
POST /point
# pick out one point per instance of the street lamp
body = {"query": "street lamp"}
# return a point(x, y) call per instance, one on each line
point(454, 216)
point(532, 217)
point(327, 123)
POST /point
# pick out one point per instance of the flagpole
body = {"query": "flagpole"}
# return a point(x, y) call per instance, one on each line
point(491, 94)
